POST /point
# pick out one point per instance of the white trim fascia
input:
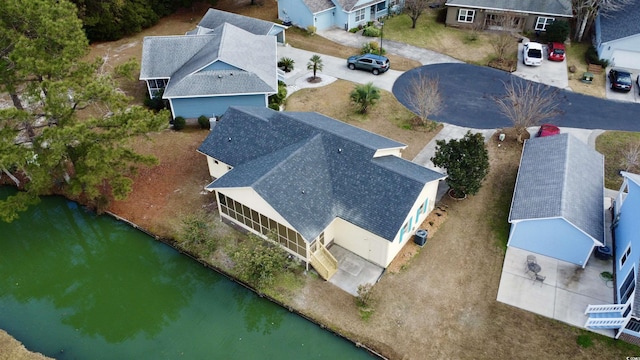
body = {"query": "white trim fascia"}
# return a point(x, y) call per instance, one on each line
point(325, 10)
point(217, 95)
point(173, 114)
point(154, 78)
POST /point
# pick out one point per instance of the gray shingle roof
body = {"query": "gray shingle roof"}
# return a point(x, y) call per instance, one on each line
point(316, 6)
point(351, 5)
point(214, 18)
point(183, 58)
point(549, 7)
point(560, 176)
point(620, 24)
point(312, 169)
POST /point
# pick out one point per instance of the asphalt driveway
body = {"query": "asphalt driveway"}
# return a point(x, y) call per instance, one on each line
point(469, 93)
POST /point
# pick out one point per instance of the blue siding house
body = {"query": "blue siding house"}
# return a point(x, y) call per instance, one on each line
point(624, 314)
point(205, 74)
point(558, 202)
point(307, 181)
point(325, 14)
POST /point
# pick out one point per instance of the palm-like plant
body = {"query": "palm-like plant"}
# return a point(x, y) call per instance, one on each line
point(365, 96)
point(315, 64)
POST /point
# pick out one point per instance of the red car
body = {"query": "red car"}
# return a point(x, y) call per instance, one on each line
point(556, 51)
point(548, 130)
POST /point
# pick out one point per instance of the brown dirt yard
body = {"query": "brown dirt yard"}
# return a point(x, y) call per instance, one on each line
point(437, 302)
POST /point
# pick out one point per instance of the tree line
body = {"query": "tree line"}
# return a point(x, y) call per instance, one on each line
point(107, 20)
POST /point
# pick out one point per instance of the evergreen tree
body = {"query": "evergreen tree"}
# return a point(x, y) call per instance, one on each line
point(69, 127)
point(466, 161)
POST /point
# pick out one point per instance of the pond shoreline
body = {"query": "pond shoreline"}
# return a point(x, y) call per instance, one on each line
point(172, 243)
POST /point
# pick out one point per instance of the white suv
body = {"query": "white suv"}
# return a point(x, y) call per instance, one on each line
point(532, 53)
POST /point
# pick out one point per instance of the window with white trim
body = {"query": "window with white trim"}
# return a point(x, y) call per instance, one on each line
point(625, 255)
point(360, 15)
point(155, 85)
point(627, 287)
point(466, 15)
point(542, 22)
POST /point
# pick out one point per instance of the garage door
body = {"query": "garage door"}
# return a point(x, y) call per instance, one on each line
point(626, 59)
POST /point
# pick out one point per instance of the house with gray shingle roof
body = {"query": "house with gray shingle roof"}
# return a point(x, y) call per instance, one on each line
point(519, 15)
point(315, 181)
point(214, 18)
point(624, 314)
point(557, 208)
point(205, 74)
point(617, 36)
point(325, 14)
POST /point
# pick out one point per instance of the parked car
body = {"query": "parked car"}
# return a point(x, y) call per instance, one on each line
point(620, 80)
point(371, 62)
point(556, 51)
point(548, 130)
point(532, 53)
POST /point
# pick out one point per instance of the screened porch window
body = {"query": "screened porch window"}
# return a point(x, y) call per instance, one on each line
point(155, 85)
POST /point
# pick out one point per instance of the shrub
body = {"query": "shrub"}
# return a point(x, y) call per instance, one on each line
point(258, 261)
point(156, 103)
point(371, 31)
point(592, 57)
point(286, 64)
point(354, 30)
point(558, 31)
point(274, 106)
point(311, 29)
point(203, 121)
point(372, 47)
point(179, 123)
point(278, 99)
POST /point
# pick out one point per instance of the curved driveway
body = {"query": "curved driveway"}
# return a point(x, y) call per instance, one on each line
point(469, 91)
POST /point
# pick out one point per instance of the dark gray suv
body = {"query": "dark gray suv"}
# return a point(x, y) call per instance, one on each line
point(375, 63)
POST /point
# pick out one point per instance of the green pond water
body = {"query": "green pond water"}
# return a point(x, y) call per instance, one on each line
point(77, 286)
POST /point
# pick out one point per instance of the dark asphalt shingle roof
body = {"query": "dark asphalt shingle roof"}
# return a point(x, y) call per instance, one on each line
point(561, 177)
point(312, 169)
point(620, 24)
point(183, 58)
point(549, 7)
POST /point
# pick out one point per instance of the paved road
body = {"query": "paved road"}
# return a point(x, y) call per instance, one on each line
point(469, 92)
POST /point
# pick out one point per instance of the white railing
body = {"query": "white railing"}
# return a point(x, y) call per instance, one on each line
point(597, 309)
point(611, 323)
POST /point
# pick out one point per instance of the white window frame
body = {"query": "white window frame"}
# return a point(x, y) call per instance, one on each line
point(360, 14)
point(465, 14)
point(625, 256)
point(542, 22)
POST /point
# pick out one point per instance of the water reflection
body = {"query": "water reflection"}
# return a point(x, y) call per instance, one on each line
point(99, 282)
point(256, 316)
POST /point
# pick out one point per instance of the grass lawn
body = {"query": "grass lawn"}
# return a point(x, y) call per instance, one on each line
point(614, 145)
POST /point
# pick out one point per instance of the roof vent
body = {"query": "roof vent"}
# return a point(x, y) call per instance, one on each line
point(339, 150)
point(219, 76)
point(229, 139)
point(303, 191)
point(231, 74)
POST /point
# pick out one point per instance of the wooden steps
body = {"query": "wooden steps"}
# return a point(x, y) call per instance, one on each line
point(325, 264)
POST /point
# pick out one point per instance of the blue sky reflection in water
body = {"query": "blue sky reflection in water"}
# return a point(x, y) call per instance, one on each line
point(73, 285)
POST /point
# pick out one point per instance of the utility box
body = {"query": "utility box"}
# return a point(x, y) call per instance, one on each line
point(420, 238)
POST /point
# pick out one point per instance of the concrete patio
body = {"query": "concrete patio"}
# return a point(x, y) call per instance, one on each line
point(567, 289)
point(353, 270)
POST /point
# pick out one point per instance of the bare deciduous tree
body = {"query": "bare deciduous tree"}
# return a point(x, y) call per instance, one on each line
point(631, 157)
point(415, 8)
point(505, 42)
point(528, 104)
point(423, 96)
point(586, 10)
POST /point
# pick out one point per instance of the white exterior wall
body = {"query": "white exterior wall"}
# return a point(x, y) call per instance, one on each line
point(391, 151)
point(250, 198)
point(631, 43)
point(430, 192)
point(216, 170)
point(361, 242)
